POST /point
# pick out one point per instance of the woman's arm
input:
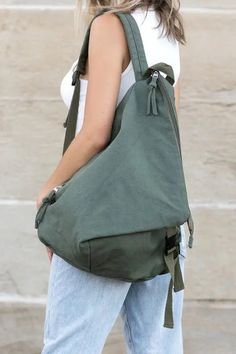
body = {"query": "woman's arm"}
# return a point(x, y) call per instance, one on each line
point(107, 50)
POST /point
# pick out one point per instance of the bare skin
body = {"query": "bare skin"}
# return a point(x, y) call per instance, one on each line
point(108, 57)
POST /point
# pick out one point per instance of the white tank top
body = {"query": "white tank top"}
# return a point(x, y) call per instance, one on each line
point(156, 49)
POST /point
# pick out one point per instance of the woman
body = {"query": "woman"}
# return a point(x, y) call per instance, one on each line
point(82, 307)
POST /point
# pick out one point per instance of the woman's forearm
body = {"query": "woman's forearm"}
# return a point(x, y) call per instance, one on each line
point(79, 152)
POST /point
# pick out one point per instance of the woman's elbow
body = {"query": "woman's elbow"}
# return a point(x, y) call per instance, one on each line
point(96, 141)
point(99, 143)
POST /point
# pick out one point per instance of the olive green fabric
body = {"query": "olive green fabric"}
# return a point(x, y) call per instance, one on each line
point(119, 216)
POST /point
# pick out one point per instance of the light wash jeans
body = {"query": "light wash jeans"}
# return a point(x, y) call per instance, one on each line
point(82, 308)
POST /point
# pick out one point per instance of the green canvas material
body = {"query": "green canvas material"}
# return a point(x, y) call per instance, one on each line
point(119, 215)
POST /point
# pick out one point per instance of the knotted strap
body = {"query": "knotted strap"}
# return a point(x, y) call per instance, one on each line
point(191, 230)
point(172, 262)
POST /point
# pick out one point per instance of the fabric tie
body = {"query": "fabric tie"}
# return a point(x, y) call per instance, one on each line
point(152, 98)
point(173, 265)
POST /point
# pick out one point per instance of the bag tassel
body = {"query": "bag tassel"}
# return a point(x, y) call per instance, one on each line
point(152, 99)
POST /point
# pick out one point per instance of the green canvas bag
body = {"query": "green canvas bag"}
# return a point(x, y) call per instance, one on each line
point(119, 215)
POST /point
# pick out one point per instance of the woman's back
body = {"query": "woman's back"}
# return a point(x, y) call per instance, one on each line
point(157, 49)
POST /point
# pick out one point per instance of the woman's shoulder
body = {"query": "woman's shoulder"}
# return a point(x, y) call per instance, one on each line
point(108, 33)
point(107, 24)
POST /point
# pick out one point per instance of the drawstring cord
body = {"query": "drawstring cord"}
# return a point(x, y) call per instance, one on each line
point(152, 99)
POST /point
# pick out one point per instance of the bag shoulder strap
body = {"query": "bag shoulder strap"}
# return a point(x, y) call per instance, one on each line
point(139, 61)
point(135, 44)
point(138, 58)
point(137, 53)
point(134, 40)
point(71, 119)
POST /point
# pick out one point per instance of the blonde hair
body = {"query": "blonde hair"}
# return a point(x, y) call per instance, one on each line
point(167, 10)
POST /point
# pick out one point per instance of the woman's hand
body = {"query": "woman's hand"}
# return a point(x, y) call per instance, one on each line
point(50, 253)
point(47, 188)
point(38, 203)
